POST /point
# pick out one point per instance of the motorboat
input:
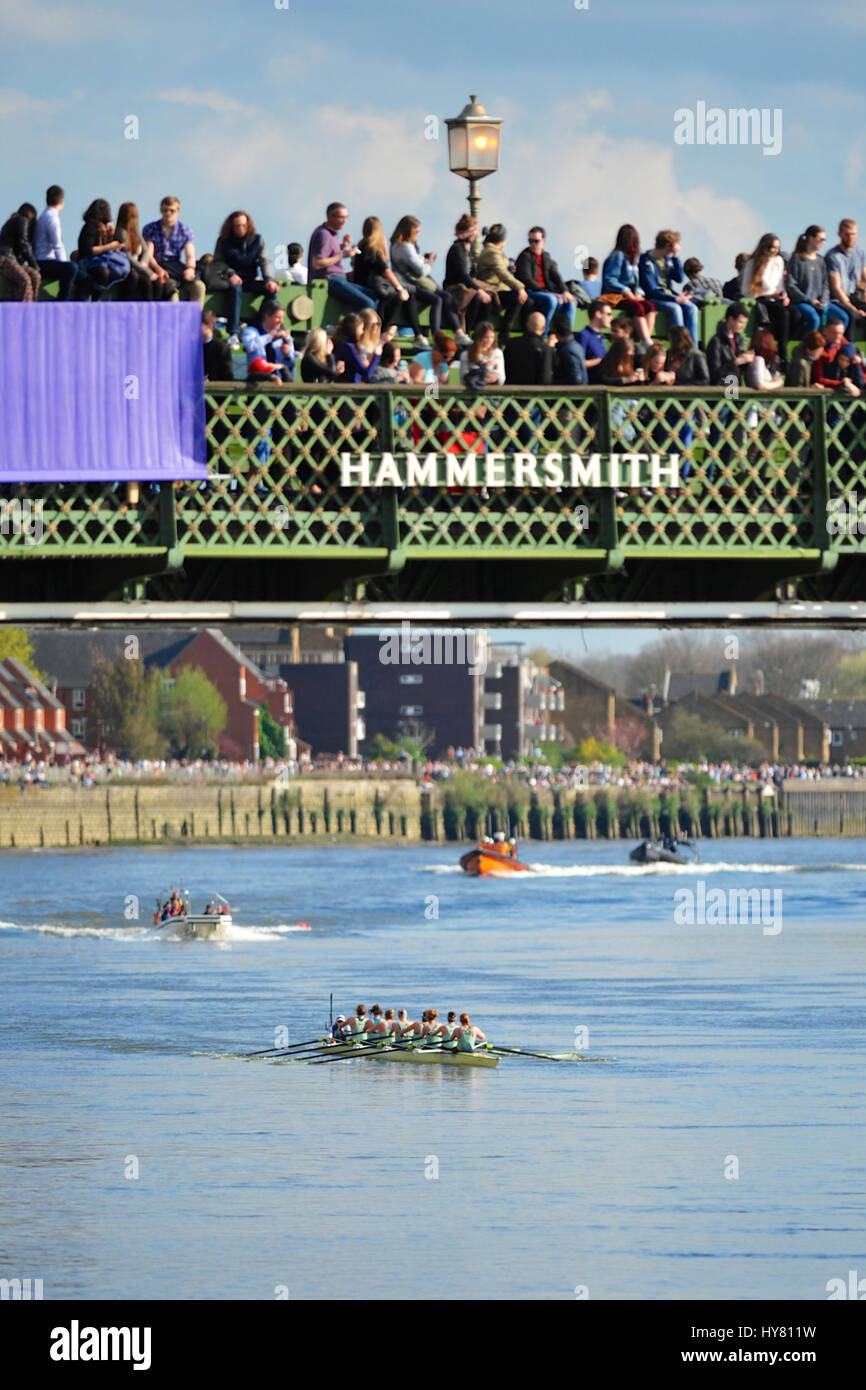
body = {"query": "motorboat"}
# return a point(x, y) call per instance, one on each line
point(657, 852)
point(174, 914)
point(492, 859)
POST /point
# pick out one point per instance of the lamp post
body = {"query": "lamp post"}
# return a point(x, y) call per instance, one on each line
point(473, 150)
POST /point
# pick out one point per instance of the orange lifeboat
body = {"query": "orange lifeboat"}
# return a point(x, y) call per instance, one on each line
point(491, 859)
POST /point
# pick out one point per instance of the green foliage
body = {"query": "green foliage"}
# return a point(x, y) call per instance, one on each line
point(193, 715)
point(849, 681)
point(688, 738)
point(272, 736)
point(15, 642)
point(126, 699)
point(552, 755)
point(385, 748)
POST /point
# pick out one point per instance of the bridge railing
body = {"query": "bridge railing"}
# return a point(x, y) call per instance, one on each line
point(760, 475)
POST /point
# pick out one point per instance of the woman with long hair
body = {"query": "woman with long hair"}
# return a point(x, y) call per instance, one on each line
point(763, 374)
point(349, 349)
point(317, 363)
point(100, 255)
point(809, 283)
point(415, 272)
point(764, 278)
point(483, 364)
point(471, 297)
point(621, 282)
point(142, 282)
point(371, 270)
point(241, 262)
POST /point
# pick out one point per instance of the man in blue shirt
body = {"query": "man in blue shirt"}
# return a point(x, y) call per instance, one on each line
point(271, 341)
point(170, 243)
point(48, 248)
point(846, 271)
point(594, 346)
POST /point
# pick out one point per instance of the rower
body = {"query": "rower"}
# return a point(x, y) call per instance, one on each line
point(449, 1041)
point(392, 1027)
point(376, 1023)
point(356, 1025)
point(467, 1034)
point(337, 1028)
point(435, 1030)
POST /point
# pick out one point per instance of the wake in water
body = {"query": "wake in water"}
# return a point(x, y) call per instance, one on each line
point(698, 870)
point(149, 933)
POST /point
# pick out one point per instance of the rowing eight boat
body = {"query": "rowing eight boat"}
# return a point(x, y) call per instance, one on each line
point(415, 1054)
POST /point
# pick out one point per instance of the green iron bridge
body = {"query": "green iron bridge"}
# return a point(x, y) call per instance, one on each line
point(767, 510)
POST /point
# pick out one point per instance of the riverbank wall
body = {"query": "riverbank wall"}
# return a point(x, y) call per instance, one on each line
point(398, 811)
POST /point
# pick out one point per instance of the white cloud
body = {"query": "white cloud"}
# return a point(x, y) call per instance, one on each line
point(16, 103)
point(213, 100)
point(584, 186)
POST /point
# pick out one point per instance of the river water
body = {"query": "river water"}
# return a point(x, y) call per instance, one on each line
point(717, 1151)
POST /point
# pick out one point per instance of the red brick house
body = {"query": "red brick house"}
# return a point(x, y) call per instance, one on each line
point(242, 685)
point(32, 720)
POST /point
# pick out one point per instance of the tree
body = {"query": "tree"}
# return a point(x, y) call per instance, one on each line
point(126, 699)
point(15, 642)
point(688, 738)
point(194, 714)
point(849, 681)
point(541, 657)
point(272, 736)
point(629, 735)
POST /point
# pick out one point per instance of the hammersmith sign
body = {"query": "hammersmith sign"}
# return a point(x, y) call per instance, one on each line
point(510, 470)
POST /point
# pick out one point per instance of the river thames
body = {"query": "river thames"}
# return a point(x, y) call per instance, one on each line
point(717, 1152)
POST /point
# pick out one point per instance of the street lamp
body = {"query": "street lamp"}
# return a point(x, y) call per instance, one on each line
point(473, 149)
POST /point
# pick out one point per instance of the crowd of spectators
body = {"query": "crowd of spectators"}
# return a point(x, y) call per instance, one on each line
point(805, 294)
point(97, 770)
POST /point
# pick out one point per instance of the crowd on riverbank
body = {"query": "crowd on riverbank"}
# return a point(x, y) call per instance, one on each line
point(93, 771)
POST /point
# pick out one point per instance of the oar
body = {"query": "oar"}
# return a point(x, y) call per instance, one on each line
point(520, 1052)
point(294, 1047)
point(375, 1051)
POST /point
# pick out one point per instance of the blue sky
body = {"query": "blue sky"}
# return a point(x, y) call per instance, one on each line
point(280, 110)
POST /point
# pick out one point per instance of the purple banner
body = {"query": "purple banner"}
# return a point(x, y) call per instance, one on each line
point(101, 391)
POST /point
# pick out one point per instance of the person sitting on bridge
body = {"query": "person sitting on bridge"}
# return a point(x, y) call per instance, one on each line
point(529, 359)
point(662, 278)
point(704, 288)
point(217, 353)
point(762, 374)
point(542, 281)
point(171, 248)
point(802, 361)
point(594, 345)
point(271, 340)
point(731, 288)
point(494, 273)
point(241, 262)
point(17, 261)
point(569, 362)
point(839, 367)
point(326, 255)
point(727, 353)
point(621, 281)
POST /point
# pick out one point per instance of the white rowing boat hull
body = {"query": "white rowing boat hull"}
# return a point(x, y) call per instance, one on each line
point(420, 1055)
